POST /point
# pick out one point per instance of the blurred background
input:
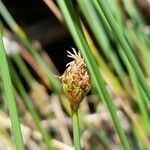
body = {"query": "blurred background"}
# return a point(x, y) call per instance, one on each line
point(41, 24)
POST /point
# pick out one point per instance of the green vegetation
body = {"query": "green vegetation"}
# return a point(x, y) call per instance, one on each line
point(111, 37)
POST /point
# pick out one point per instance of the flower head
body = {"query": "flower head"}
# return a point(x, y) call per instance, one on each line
point(75, 80)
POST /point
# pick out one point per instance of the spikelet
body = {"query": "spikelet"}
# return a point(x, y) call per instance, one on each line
point(75, 80)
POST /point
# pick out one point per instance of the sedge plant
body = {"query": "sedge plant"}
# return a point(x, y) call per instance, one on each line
point(76, 84)
point(112, 45)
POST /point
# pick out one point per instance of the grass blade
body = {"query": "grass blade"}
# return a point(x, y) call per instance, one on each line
point(10, 97)
point(100, 34)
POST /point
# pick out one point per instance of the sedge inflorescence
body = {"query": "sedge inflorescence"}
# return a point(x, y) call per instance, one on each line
point(75, 80)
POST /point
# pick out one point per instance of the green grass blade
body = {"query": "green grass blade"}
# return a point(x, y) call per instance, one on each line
point(128, 35)
point(23, 69)
point(4, 12)
point(10, 97)
point(75, 29)
point(29, 105)
point(133, 12)
point(127, 50)
point(139, 144)
point(138, 91)
point(100, 35)
point(115, 9)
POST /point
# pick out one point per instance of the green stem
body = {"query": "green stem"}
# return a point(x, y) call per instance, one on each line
point(23, 69)
point(10, 97)
point(76, 130)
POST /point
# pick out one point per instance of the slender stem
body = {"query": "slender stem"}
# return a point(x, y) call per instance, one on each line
point(23, 69)
point(76, 130)
point(10, 97)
